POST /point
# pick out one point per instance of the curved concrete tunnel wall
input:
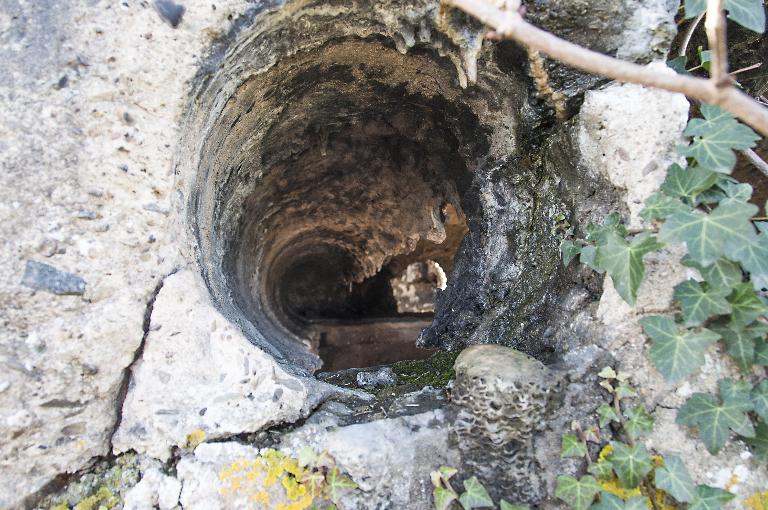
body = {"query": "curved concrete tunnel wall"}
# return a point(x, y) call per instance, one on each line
point(330, 139)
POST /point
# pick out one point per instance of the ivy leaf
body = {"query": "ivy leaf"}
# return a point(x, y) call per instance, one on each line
point(608, 502)
point(624, 390)
point(588, 257)
point(579, 494)
point(572, 447)
point(721, 273)
point(740, 344)
point(679, 64)
point(475, 496)
point(747, 13)
point(710, 498)
point(754, 258)
point(706, 235)
point(624, 261)
point(761, 353)
point(659, 205)
point(687, 182)
point(746, 306)
point(638, 422)
point(673, 478)
point(699, 303)
point(570, 250)
point(603, 470)
point(447, 472)
point(674, 353)
point(596, 233)
point(338, 484)
point(443, 498)
point(715, 137)
point(607, 414)
point(760, 442)
point(631, 463)
point(509, 506)
point(607, 373)
point(759, 398)
point(736, 190)
point(715, 418)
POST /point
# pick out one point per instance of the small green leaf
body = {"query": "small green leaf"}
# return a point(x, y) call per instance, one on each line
point(721, 273)
point(761, 353)
point(447, 472)
point(710, 236)
point(740, 344)
point(659, 205)
point(509, 506)
point(579, 494)
point(572, 447)
point(710, 498)
point(700, 302)
point(624, 390)
point(608, 502)
point(602, 470)
point(607, 414)
point(475, 496)
point(588, 257)
point(570, 250)
point(760, 442)
point(715, 418)
point(638, 422)
point(736, 190)
point(745, 304)
point(631, 463)
point(687, 182)
point(754, 258)
point(715, 137)
point(679, 64)
point(747, 13)
point(759, 398)
point(443, 498)
point(676, 353)
point(607, 373)
point(624, 261)
point(611, 224)
point(674, 479)
point(337, 483)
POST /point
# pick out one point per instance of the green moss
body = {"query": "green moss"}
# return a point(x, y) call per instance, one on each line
point(436, 370)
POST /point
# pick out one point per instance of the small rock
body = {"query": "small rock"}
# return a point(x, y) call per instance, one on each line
point(382, 377)
point(157, 208)
point(44, 277)
point(155, 490)
point(169, 11)
point(86, 215)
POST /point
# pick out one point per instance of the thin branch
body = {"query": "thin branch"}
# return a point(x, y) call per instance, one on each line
point(715, 26)
point(756, 160)
point(689, 34)
point(511, 25)
point(745, 69)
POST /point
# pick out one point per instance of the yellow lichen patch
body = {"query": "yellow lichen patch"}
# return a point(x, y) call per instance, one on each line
point(757, 501)
point(194, 438)
point(273, 481)
point(102, 499)
point(613, 486)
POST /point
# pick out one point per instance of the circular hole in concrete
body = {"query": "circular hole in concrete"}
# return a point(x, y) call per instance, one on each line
point(325, 162)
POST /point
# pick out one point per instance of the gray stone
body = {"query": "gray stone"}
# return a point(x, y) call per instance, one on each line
point(44, 277)
point(381, 377)
point(169, 11)
point(503, 398)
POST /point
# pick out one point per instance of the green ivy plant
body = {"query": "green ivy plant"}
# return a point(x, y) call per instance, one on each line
point(626, 476)
point(474, 496)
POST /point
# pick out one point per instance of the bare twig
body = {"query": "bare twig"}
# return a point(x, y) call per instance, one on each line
point(511, 25)
point(715, 25)
point(756, 160)
point(689, 34)
point(745, 69)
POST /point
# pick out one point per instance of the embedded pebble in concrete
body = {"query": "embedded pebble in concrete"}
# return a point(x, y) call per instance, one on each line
point(38, 275)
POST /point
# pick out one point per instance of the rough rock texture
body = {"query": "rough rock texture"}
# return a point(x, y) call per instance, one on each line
point(98, 96)
point(503, 398)
point(389, 459)
point(198, 375)
point(154, 490)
